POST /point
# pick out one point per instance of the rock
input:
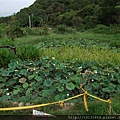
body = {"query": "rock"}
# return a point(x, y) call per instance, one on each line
point(20, 104)
point(27, 104)
point(72, 104)
point(14, 103)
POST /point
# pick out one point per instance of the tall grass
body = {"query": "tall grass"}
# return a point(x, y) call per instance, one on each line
point(84, 54)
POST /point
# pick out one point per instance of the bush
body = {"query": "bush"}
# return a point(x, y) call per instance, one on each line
point(61, 29)
point(103, 29)
point(24, 52)
point(27, 52)
point(5, 53)
point(33, 31)
point(6, 41)
point(5, 56)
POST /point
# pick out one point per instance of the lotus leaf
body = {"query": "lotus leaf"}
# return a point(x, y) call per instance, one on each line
point(2, 80)
point(61, 89)
point(70, 86)
point(22, 80)
point(5, 73)
point(38, 78)
point(48, 83)
point(15, 92)
point(25, 85)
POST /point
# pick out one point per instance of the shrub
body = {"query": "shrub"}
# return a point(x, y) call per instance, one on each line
point(103, 29)
point(33, 31)
point(6, 41)
point(28, 52)
point(5, 56)
point(63, 29)
point(5, 53)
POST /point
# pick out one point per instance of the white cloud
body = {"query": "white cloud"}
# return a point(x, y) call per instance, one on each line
point(8, 7)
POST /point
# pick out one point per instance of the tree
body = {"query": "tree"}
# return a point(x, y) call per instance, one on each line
point(108, 13)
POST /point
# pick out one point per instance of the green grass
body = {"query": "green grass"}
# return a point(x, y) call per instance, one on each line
point(85, 54)
point(83, 35)
point(100, 55)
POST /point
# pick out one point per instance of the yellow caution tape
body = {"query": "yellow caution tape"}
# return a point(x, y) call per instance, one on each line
point(59, 102)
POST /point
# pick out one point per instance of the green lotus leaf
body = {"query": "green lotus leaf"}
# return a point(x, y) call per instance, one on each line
point(119, 79)
point(5, 97)
point(94, 67)
point(48, 83)
point(76, 79)
point(43, 61)
point(60, 96)
point(28, 93)
point(15, 92)
point(58, 74)
point(57, 97)
point(111, 87)
point(63, 81)
point(25, 85)
point(22, 80)
point(38, 78)
point(35, 63)
point(106, 89)
point(70, 86)
point(2, 85)
point(5, 73)
point(61, 66)
point(23, 72)
point(2, 80)
point(61, 89)
point(27, 63)
point(7, 84)
point(17, 86)
point(95, 85)
point(11, 70)
point(118, 87)
point(31, 77)
point(12, 65)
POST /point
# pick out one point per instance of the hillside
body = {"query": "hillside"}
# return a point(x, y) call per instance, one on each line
point(76, 13)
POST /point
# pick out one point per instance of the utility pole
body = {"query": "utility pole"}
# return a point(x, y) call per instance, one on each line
point(30, 22)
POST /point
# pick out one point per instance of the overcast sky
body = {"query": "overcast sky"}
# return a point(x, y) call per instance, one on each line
point(8, 7)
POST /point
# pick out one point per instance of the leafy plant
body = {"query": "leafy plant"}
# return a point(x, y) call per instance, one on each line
point(27, 52)
point(59, 80)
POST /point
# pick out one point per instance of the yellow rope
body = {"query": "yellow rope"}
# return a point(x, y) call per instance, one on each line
point(85, 101)
point(59, 102)
point(41, 105)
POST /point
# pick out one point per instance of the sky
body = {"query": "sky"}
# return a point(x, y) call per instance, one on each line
point(8, 7)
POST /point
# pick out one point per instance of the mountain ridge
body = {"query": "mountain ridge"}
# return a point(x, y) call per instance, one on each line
point(75, 13)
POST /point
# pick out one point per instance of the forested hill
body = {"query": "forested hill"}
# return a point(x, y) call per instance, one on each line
point(74, 13)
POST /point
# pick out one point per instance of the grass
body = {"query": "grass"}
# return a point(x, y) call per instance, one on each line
point(100, 55)
point(64, 52)
point(34, 40)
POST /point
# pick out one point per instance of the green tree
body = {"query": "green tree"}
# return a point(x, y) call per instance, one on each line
point(108, 13)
